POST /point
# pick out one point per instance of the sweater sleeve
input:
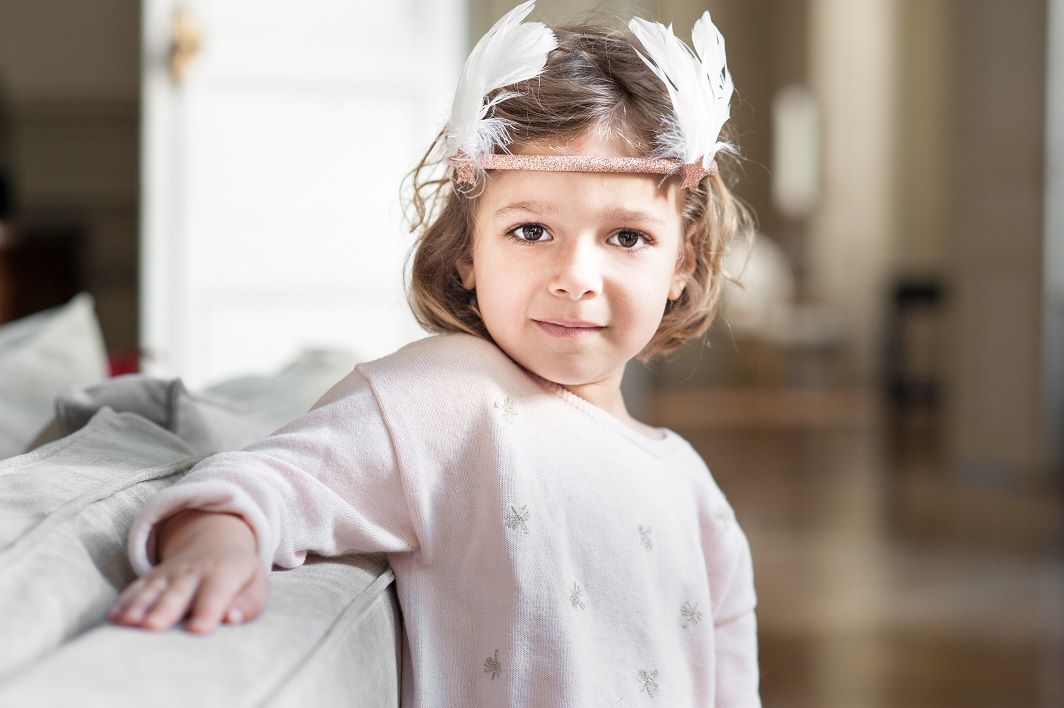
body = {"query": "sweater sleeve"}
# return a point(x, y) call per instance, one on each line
point(327, 483)
point(733, 602)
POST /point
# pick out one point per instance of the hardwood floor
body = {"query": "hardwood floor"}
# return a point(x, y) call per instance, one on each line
point(881, 580)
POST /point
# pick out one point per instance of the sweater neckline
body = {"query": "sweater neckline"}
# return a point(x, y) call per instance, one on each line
point(665, 445)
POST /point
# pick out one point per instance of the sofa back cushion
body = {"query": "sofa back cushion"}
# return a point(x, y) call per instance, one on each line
point(41, 356)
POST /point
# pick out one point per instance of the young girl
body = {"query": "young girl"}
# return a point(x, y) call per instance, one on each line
point(549, 549)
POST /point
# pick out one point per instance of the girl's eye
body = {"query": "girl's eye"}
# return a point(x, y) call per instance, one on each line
point(628, 239)
point(530, 233)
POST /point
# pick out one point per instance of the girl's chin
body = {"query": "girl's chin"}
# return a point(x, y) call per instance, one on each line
point(568, 363)
point(568, 376)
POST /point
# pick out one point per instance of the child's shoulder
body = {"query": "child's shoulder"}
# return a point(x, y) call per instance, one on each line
point(450, 346)
point(438, 354)
point(446, 364)
point(691, 463)
point(441, 390)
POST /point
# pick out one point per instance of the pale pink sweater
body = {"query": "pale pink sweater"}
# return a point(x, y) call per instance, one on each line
point(545, 553)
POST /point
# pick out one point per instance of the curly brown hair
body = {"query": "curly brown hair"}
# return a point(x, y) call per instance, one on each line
point(594, 80)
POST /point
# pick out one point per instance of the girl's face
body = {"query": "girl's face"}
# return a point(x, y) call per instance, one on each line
point(572, 270)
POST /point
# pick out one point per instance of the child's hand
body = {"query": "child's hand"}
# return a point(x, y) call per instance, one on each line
point(211, 574)
point(225, 584)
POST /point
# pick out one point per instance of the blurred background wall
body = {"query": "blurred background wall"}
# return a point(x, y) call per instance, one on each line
point(70, 87)
point(882, 404)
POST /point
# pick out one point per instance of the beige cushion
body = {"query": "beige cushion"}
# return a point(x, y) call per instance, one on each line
point(40, 356)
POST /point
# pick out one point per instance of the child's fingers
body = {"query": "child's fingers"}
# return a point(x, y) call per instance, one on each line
point(251, 599)
point(235, 615)
point(132, 589)
point(143, 598)
point(213, 598)
point(124, 597)
point(129, 594)
point(173, 603)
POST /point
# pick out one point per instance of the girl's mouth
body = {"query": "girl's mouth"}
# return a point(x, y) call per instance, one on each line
point(566, 328)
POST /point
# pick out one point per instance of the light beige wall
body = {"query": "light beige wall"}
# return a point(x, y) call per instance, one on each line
point(920, 245)
point(934, 166)
point(925, 141)
point(853, 65)
point(996, 250)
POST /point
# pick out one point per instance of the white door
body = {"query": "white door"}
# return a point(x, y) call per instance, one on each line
point(271, 171)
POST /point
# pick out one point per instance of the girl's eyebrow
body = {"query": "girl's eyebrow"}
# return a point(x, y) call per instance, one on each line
point(630, 215)
point(532, 206)
point(618, 213)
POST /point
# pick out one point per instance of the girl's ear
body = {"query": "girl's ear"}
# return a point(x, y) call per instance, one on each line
point(683, 271)
point(465, 270)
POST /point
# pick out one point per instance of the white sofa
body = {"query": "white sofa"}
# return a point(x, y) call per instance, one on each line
point(331, 633)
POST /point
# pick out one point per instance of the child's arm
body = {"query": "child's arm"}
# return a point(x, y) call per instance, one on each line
point(326, 483)
point(208, 569)
point(734, 621)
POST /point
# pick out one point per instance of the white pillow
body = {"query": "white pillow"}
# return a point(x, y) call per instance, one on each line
point(41, 356)
point(228, 416)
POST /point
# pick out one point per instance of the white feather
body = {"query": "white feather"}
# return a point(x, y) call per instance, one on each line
point(510, 52)
point(698, 84)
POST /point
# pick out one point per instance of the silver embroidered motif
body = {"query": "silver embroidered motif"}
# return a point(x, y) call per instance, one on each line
point(691, 614)
point(515, 518)
point(644, 537)
point(509, 410)
point(575, 598)
point(492, 665)
point(650, 681)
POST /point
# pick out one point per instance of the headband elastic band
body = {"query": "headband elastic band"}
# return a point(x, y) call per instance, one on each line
point(693, 172)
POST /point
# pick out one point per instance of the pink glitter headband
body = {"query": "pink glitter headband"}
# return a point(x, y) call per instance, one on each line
point(693, 172)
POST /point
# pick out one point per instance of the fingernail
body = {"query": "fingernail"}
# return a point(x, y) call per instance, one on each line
point(235, 615)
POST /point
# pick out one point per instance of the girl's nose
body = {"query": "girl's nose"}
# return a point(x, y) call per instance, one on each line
point(577, 274)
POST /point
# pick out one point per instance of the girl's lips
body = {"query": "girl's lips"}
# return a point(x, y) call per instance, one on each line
point(568, 329)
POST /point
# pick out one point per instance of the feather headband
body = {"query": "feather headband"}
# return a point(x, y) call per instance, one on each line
point(510, 52)
point(699, 86)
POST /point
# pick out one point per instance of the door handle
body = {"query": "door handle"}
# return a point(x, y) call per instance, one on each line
point(184, 44)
